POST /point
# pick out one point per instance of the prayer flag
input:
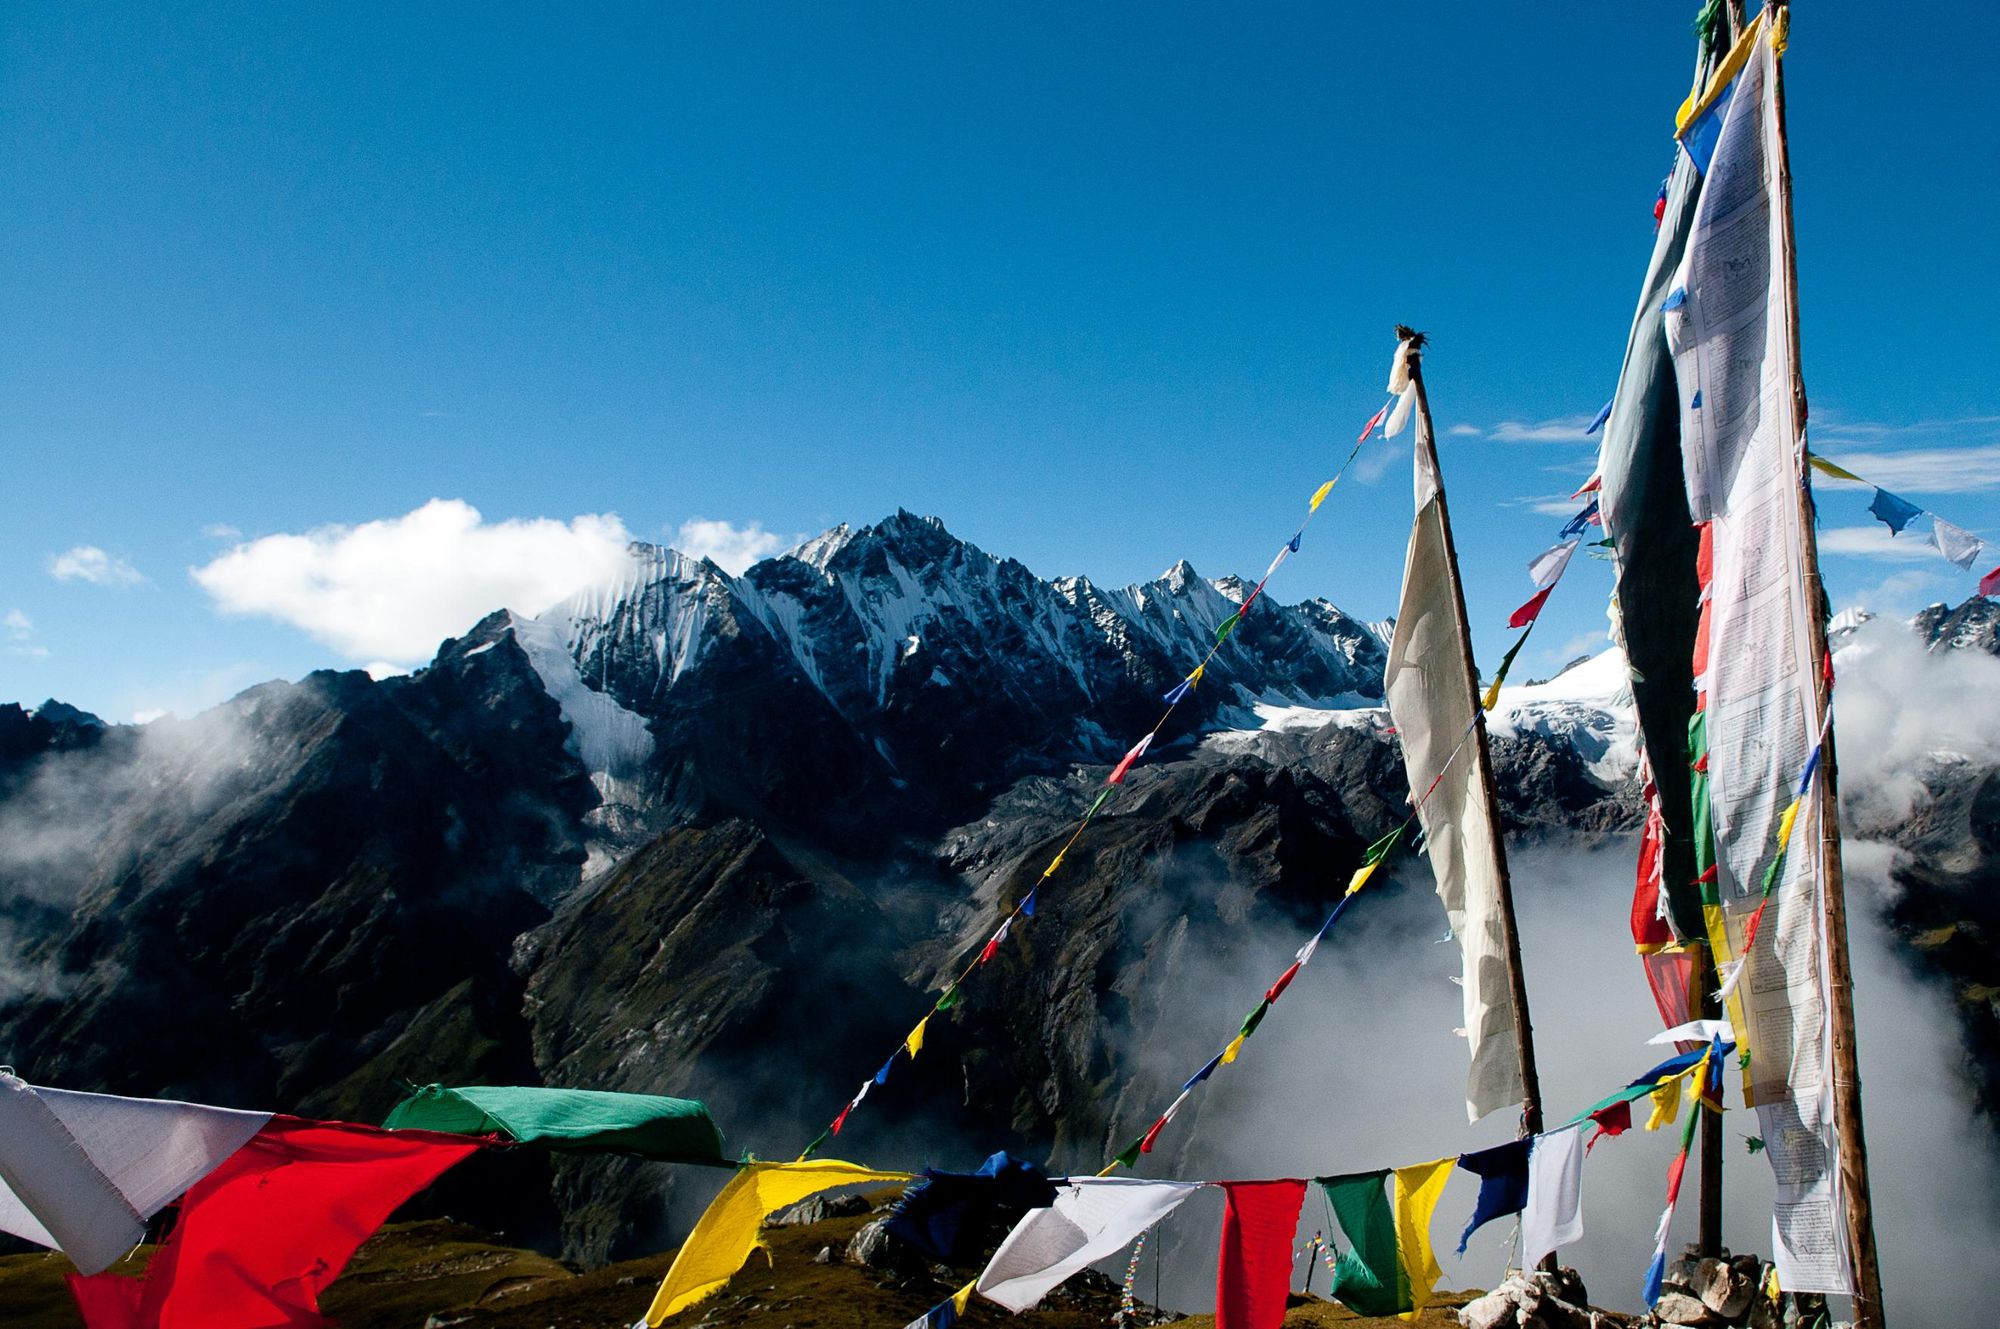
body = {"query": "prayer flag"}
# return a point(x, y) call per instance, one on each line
point(1229, 1053)
point(1028, 902)
point(1228, 626)
point(1119, 771)
point(1319, 496)
point(915, 1042)
point(1582, 519)
point(1284, 552)
point(1894, 512)
point(81, 1173)
point(1553, 1213)
point(669, 1130)
point(882, 1076)
point(1254, 1265)
point(1613, 1120)
point(1547, 568)
point(1399, 419)
point(1827, 468)
point(1528, 612)
point(1277, 989)
point(945, 1215)
point(1503, 1184)
point(1389, 1268)
point(1957, 544)
point(1203, 1073)
point(1604, 412)
point(949, 999)
point(726, 1234)
point(1373, 420)
point(1595, 484)
point(1297, 535)
point(1990, 583)
point(1092, 1218)
point(1491, 697)
point(261, 1236)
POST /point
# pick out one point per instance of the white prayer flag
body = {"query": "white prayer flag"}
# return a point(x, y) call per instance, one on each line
point(1093, 1217)
point(1553, 1216)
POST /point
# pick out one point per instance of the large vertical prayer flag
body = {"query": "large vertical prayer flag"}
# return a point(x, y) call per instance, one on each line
point(81, 1173)
point(261, 1236)
point(1389, 1268)
point(1553, 1213)
point(1433, 699)
point(1092, 1218)
point(1253, 1268)
point(727, 1232)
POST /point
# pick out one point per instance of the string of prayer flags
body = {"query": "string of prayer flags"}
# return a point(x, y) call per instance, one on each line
point(264, 1233)
point(1389, 1268)
point(82, 1173)
point(1253, 1268)
point(1092, 1218)
point(726, 1233)
point(1957, 545)
point(1503, 1184)
point(1732, 971)
point(1552, 1215)
point(1116, 778)
point(1124, 766)
point(1709, 1074)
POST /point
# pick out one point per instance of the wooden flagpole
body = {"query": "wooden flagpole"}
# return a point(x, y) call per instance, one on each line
point(1853, 1146)
point(1482, 765)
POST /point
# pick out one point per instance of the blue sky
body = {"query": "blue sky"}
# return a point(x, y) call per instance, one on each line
point(1101, 285)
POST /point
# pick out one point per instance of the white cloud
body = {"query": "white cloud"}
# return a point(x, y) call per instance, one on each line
point(1967, 470)
point(731, 547)
point(91, 564)
point(391, 590)
point(1565, 429)
point(381, 669)
point(1465, 431)
point(1914, 544)
point(221, 530)
point(19, 626)
point(148, 716)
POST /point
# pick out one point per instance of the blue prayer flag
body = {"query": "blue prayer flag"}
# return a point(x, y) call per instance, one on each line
point(1896, 513)
point(1675, 298)
point(1293, 543)
point(1503, 1184)
point(1580, 520)
point(1203, 1073)
point(882, 1076)
point(1028, 905)
point(1597, 421)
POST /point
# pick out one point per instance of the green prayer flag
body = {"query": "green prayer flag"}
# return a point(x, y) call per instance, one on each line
point(1380, 849)
point(1129, 1156)
point(813, 1148)
point(1102, 795)
point(949, 999)
point(1254, 1018)
point(671, 1130)
point(1755, 1144)
point(1369, 1278)
point(1228, 626)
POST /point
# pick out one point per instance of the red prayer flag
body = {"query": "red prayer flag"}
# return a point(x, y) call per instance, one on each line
point(1254, 1268)
point(1614, 1120)
point(1374, 420)
point(260, 1237)
point(1117, 775)
point(1284, 981)
point(1649, 930)
point(1990, 583)
point(1146, 1145)
point(1527, 612)
point(834, 1129)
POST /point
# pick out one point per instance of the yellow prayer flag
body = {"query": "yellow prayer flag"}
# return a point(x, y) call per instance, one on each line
point(1319, 496)
point(915, 1042)
point(1492, 697)
point(1416, 1195)
point(1235, 1046)
point(1721, 77)
point(1827, 468)
point(1666, 1103)
point(1785, 824)
point(1054, 863)
point(727, 1232)
point(1362, 875)
point(1195, 677)
point(961, 1298)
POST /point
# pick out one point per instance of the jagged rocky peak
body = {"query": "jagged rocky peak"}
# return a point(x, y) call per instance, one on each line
point(1974, 624)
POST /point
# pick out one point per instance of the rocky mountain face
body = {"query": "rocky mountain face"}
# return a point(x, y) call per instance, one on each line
point(719, 836)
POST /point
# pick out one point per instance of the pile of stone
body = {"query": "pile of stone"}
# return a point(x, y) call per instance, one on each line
point(1533, 1299)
